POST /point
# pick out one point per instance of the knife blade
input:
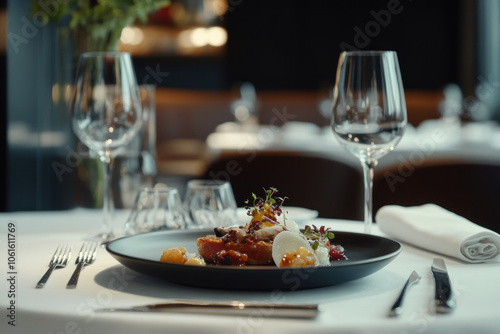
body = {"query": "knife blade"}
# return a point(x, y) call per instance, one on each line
point(444, 298)
point(237, 308)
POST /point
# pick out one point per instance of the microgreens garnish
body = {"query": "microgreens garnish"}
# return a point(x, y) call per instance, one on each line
point(317, 236)
point(259, 202)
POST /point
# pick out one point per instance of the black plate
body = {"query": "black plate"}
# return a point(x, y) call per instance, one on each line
point(141, 253)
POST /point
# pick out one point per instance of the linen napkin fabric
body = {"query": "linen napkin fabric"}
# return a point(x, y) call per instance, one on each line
point(436, 229)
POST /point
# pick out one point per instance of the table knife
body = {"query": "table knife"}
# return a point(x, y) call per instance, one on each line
point(444, 298)
point(227, 308)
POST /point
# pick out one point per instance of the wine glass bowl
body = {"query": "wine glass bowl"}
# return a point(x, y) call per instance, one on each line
point(106, 105)
point(106, 112)
point(368, 110)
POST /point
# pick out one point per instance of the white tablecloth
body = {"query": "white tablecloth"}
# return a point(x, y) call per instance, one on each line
point(359, 306)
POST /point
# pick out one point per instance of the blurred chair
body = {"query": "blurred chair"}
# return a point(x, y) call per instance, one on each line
point(331, 187)
point(183, 157)
point(470, 189)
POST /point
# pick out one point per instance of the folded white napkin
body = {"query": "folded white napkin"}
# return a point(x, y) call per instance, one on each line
point(436, 229)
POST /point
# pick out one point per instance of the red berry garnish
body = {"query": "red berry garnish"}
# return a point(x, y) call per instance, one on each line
point(337, 252)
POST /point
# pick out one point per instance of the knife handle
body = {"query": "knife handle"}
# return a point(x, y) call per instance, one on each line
point(271, 310)
point(444, 299)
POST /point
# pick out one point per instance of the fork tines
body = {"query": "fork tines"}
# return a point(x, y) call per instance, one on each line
point(59, 259)
point(61, 255)
point(86, 256)
point(87, 252)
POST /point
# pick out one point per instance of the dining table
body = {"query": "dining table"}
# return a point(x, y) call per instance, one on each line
point(29, 239)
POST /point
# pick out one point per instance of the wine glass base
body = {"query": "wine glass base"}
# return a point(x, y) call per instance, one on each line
point(104, 238)
point(368, 228)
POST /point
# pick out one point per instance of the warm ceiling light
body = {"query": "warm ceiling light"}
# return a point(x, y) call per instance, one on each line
point(132, 35)
point(199, 37)
point(217, 36)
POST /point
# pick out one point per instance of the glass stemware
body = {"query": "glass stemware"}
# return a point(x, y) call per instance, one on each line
point(106, 113)
point(368, 111)
point(210, 203)
point(155, 209)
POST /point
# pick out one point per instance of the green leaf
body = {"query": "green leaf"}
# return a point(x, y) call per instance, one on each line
point(103, 19)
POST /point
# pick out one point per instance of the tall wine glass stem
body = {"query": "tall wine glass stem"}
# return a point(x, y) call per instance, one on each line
point(107, 205)
point(368, 185)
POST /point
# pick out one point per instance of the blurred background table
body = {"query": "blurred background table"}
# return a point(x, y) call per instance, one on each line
point(452, 165)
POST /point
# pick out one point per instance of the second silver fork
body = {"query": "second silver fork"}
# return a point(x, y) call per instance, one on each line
point(86, 256)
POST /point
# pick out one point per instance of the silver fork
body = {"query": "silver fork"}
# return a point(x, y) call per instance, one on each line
point(397, 307)
point(59, 260)
point(85, 257)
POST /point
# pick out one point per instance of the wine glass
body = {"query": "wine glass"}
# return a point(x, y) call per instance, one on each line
point(368, 111)
point(106, 113)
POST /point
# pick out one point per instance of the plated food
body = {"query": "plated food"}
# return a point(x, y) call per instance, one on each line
point(263, 241)
point(140, 253)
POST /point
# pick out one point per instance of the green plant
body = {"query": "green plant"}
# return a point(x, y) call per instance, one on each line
point(103, 20)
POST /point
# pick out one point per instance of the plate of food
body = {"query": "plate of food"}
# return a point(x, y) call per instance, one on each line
point(265, 254)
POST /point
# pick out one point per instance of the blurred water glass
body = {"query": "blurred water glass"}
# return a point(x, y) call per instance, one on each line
point(244, 109)
point(135, 168)
point(210, 203)
point(156, 209)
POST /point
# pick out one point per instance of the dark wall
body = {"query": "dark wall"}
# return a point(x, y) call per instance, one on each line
point(291, 44)
point(204, 73)
point(36, 123)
